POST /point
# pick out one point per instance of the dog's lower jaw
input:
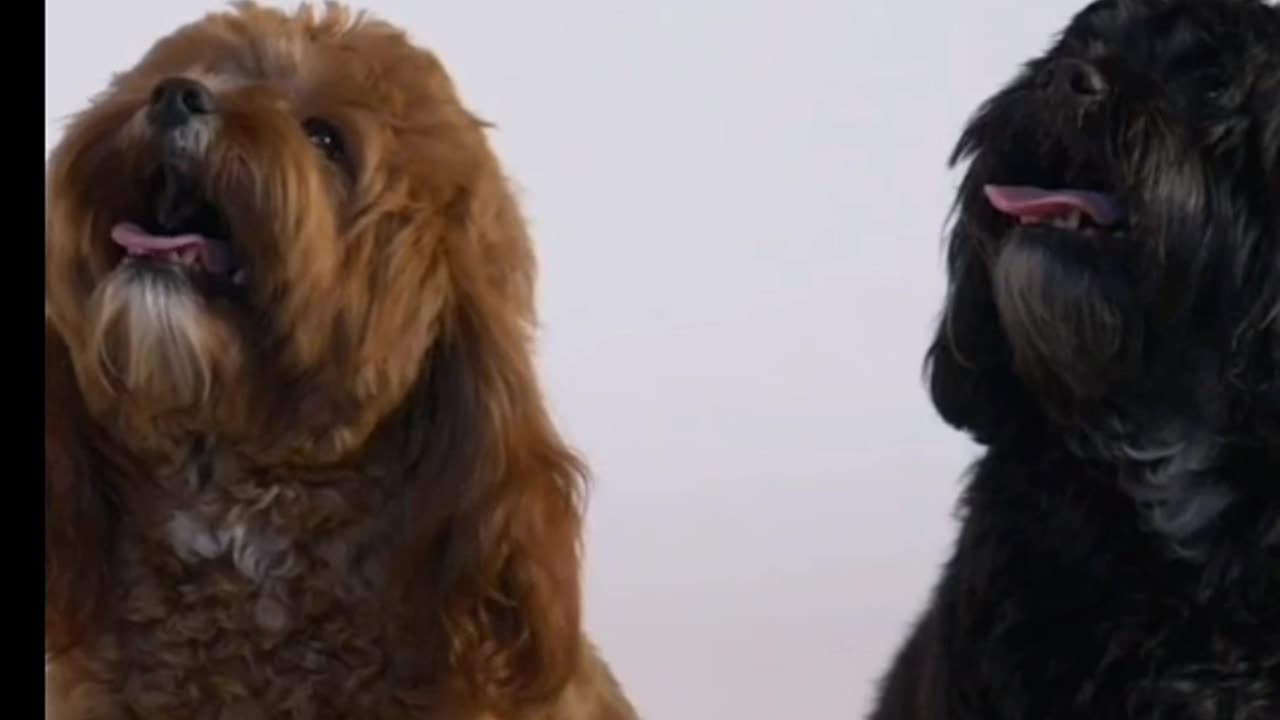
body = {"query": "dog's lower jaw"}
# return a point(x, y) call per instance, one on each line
point(164, 367)
point(153, 338)
point(1077, 342)
point(1071, 328)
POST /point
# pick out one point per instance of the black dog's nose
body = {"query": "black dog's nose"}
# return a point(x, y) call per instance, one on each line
point(175, 101)
point(1073, 79)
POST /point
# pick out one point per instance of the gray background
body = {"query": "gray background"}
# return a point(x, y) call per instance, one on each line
point(739, 205)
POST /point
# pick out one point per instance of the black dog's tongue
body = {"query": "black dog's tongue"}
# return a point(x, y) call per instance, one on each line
point(1032, 204)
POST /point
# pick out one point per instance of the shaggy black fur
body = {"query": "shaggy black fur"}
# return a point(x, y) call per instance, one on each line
point(1119, 555)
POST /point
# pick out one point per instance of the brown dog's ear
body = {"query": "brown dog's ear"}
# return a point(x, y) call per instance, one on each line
point(79, 511)
point(491, 567)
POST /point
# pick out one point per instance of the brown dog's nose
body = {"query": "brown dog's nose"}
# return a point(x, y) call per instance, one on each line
point(176, 101)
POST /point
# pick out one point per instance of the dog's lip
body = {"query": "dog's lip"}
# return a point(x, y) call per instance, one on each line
point(190, 250)
point(1034, 204)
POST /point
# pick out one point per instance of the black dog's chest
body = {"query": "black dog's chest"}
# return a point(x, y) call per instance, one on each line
point(1225, 686)
point(1196, 667)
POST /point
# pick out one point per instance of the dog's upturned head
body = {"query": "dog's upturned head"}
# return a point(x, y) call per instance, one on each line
point(284, 236)
point(1114, 260)
point(1116, 248)
point(266, 223)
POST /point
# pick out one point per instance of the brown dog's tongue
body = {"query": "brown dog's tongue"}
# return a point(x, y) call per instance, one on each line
point(188, 248)
point(1037, 204)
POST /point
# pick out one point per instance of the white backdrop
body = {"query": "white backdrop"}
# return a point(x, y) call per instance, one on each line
point(739, 207)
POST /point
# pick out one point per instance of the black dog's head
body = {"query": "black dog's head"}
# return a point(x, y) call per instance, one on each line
point(1115, 254)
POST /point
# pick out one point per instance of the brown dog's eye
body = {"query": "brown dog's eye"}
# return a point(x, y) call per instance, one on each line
point(326, 137)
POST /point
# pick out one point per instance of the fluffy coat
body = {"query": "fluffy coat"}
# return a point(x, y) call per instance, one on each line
point(298, 463)
point(1119, 551)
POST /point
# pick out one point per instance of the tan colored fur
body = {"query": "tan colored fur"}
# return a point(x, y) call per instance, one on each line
point(345, 498)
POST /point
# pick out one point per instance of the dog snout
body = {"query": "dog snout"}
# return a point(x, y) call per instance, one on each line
point(176, 101)
point(1076, 80)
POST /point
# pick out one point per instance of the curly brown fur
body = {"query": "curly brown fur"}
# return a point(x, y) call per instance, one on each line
point(300, 466)
point(1110, 336)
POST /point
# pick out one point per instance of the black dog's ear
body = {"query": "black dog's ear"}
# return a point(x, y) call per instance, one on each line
point(1269, 141)
point(1266, 111)
point(969, 365)
point(969, 371)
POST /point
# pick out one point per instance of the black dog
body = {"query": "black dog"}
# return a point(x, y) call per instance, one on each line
point(1112, 337)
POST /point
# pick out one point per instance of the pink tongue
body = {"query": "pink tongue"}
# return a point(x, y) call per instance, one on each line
point(189, 249)
point(1031, 204)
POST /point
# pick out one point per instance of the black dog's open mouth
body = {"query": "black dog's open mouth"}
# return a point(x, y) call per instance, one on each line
point(181, 228)
point(1079, 210)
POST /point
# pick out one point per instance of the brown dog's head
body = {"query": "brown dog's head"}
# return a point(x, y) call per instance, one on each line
point(267, 223)
point(285, 234)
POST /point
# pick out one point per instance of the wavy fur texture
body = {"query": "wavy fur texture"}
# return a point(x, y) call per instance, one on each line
point(332, 489)
point(1119, 551)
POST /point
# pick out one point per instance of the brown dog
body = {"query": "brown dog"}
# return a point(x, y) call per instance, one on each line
point(298, 461)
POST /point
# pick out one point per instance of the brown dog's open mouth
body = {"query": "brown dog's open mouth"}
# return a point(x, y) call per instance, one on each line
point(181, 228)
point(191, 250)
point(1064, 208)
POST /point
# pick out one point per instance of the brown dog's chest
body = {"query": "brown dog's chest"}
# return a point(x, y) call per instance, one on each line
point(256, 597)
point(254, 593)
